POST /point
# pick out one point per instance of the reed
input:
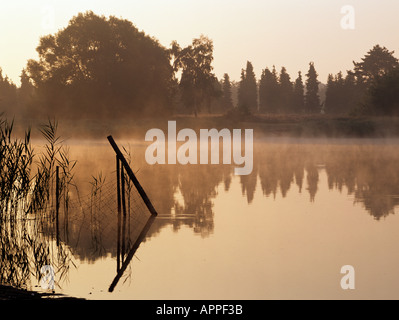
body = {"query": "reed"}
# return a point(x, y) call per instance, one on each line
point(27, 197)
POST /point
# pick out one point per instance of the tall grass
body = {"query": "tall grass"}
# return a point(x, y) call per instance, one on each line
point(27, 203)
point(43, 183)
point(96, 203)
point(16, 158)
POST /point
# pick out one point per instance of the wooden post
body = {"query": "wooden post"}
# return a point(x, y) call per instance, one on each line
point(57, 202)
point(118, 244)
point(124, 212)
point(132, 176)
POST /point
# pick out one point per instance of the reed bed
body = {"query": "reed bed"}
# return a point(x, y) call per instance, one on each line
point(27, 198)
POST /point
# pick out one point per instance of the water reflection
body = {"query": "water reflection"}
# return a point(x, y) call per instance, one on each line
point(366, 172)
point(184, 197)
point(27, 243)
point(127, 257)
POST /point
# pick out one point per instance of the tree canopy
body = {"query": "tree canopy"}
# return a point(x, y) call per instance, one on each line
point(378, 62)
point(102, 66)
point(384, 95)
point(105, 67)
point(198, 83)
point(8, 93)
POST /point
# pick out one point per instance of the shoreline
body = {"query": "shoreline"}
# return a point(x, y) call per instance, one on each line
point(297, 126)
point(11, 293)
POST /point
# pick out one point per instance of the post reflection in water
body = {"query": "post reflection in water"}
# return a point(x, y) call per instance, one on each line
point(126, 258)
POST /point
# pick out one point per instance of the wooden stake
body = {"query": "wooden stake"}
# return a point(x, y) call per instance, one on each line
point(132, 176)
point(57, 202)
point(124, 212)
point(118, 244)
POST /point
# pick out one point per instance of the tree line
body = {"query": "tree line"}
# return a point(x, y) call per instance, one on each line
point(106, 67)
point(276, 93)
point(371, 88)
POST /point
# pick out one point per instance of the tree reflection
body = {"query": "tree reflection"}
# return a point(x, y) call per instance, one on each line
point(184, 195)
point(366, 172)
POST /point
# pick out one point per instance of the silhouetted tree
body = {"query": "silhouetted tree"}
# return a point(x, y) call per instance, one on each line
point(352, 91)
point(263, 94)
point(227, 100)
point(342, 94)
point(268, 88)
point(384, 94)
point(298, 95)
point(330, 95)
point(102, 66)
point(378, 62)
point(248, 90)
point(197, 81)
point(234, 92)
point(285, 92)
point(312, 100)
point(335, 102)
point(8, 94)
point(369, 73)
point(26, 93)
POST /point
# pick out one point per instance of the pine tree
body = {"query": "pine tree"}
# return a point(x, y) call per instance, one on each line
point(378, 62)
point(312, 99)
point(285, 92)
point(341, 93)
point(227, 100)
point(274, 91)
point(263, 98)
point(268, 91)
point(298, 95)
point(242, 93)
point(352, 92)
point(330, 95)
point(248, 91)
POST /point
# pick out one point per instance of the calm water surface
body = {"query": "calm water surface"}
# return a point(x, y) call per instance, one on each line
point(284, 232)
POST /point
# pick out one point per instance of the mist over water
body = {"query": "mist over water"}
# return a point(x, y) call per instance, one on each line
point(307, 205)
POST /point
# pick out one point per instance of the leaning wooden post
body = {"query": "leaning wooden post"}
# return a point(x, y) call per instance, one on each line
point(118, 187)
point(57, 202)
point(131, 175)
point(124, 212)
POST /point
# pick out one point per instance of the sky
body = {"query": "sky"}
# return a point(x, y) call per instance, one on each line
point(289, 33)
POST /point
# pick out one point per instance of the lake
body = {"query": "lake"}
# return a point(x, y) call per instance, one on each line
point(309, 207)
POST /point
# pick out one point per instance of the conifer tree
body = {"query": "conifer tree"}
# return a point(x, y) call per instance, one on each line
point(298, 95)
point(285, 92)
point(312, 99)
point(227, 100)
point(248, 91)
point(268, 91)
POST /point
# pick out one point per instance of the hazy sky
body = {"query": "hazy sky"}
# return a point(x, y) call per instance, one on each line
point(288, 33)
